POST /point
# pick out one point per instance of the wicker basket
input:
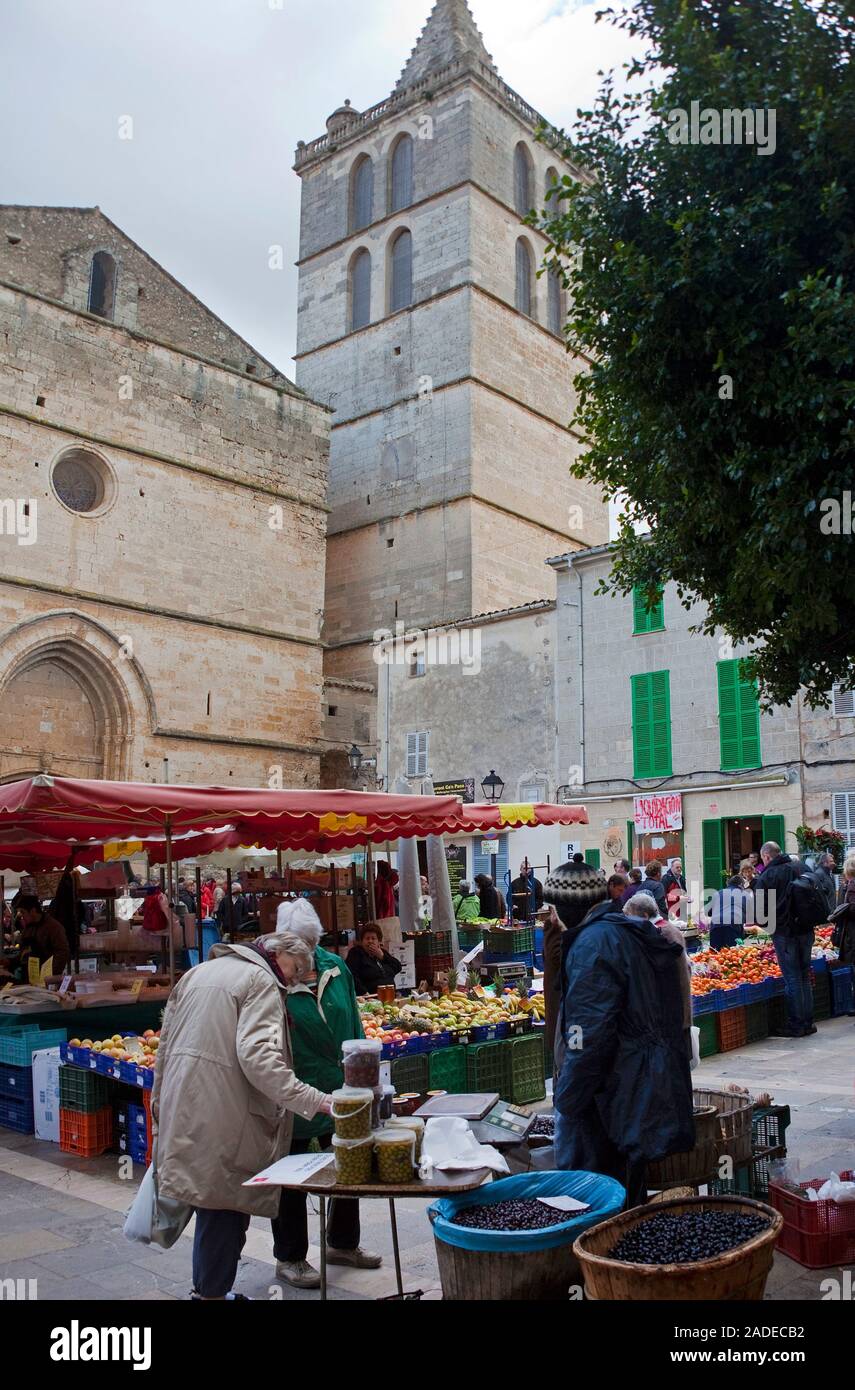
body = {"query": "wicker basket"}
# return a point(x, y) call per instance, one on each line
point(696, 1165)
point(734, 1118)
point(738, 1275)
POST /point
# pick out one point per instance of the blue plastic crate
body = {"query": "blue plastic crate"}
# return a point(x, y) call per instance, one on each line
point(17, 1113)
point(135, 1075)
point(820, 965)
point(484, 1032)
point(107, 1066)
point(16, 1082)
point(732, 998)
point(538, 940)
point(842, 991)
point(503, 1030)
point(135, 1147)
point(18, 1044)
point(705, 1003)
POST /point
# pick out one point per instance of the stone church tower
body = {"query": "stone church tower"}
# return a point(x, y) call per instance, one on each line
point(424, 324)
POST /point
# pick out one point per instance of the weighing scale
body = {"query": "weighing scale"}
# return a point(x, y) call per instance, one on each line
point(492, 1120)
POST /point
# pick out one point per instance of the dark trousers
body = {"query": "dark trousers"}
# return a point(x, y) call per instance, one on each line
point(793, 954)
point(217, 1244)
point(291, 1226)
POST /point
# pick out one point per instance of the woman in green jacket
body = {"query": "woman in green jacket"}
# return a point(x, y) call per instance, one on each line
point(466, 904)
point(322, 1014)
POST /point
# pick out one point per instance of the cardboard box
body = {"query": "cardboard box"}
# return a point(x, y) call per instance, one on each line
point(46, 1094)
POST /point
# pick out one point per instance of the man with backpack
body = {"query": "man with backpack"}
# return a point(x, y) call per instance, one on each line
point(792, 906)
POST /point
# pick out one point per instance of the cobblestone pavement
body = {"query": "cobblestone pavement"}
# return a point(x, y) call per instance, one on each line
point(61, 1217)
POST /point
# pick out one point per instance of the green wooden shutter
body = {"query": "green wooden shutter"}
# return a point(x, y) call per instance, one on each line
point(712, 843)
point(738, 717)
point(774, 830)
point(592, 857)
point(646, 619)
point(651, 724)
point(630, 840)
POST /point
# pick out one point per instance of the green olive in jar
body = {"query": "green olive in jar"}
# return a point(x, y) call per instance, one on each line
point(352, 1161)
point(395, 1151)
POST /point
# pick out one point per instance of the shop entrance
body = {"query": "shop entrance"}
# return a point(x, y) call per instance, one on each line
point(742, 836)
point(723, 842)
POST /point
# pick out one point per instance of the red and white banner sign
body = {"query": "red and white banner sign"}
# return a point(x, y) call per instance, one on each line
point(659, 811)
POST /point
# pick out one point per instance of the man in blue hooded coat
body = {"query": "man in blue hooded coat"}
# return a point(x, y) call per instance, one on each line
point(623, 1095)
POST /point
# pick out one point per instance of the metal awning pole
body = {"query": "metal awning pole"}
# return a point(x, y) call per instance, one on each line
point(369, 883)
point(169, 901)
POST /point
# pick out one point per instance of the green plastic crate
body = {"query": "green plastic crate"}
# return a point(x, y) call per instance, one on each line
point(430, 944)
point(488, 1067)
point(527, 1070)
point(509, 943)
point(469, 937)
point(740, 1185)
point(708, 1028)
point(17, 1045)
point(756, 1021)
point(84, 1091)
point(410, 1073)
point(769, 1126)
point(447, 1070)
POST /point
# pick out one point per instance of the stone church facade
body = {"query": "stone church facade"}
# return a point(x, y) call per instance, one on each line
point(424, 325)
point(162, 524)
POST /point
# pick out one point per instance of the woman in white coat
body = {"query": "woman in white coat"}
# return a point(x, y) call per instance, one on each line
point(224, 1095)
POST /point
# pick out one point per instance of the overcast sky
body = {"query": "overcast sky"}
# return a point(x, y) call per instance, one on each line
point(220, 91)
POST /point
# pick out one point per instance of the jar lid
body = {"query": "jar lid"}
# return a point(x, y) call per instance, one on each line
point(388, 1090)
point(362, 1094)
point(394, 1136)
point(351, 1143)
point(361, 1045)
point(407, 1122)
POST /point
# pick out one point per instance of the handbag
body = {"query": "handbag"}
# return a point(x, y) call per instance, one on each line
point(839, 919)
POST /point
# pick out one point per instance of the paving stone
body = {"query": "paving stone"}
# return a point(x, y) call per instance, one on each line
point(28, 1243)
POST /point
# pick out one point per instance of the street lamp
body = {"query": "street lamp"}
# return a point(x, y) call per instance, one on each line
point(358, 761)
point(492, 787)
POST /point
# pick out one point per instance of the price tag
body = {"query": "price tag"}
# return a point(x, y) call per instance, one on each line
point(47, 969)
point(66, 984)
point(136, 987)
point(564, 1203)
point(34, 971)
point(5, 987)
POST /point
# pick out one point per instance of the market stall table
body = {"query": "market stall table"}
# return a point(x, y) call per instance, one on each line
point(324, 1186)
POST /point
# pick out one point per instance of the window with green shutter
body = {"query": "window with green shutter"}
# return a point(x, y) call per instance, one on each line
point(738, 717)
point(644, 618)
point(651, 724)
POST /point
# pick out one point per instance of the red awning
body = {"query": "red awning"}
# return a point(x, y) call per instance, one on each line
point(510, 817)
point(65, 809)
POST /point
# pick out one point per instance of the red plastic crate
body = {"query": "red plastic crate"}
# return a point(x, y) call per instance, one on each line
point(815, 1234)
point(732, 1029)
point(86, 1135)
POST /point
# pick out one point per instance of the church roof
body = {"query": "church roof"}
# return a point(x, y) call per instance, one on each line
point(450, 34)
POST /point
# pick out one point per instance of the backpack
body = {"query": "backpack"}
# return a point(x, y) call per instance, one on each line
point(808, 908)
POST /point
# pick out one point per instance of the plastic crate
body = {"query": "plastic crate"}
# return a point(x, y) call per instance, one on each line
point(86, 1134)
point(777, 1012)
point(17, 1113)
point(484, 1032)
point(410, 1073)
point(107, 1066)
point(756, 1021)
point(815, 1234)
point(469, 937)
point(82, 1090)
point(707, 1025)
point(134, 1075)
point(822, 997)
point(842, 990)
point(447, 1070)
point(769, 1126)
point(428, 966)
point(740, 1185)
point(18, 1044)
point(16, 1081)
point(136, 1148)
point(705, 1003)
point(527, 1071)
point(488, 1067)
point(431, 944)
point(508, 945)
point(729, 999)
point(732, 1029)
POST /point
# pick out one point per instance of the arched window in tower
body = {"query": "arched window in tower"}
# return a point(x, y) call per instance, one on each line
point(523, 178)
point(551, 183)
point(362, 194)
point(401, 272)
point(401, 187)
point(523, 298)
point(360, 291)
point(102, 285)
point(555, 303)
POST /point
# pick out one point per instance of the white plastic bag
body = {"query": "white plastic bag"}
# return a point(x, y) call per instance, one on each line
point(696, 1047)
point(836, 1190)
point(450, 1145)
point(155, 1220)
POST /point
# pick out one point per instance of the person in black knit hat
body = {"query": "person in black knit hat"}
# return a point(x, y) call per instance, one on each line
point(622, 1086)
point(572, 890)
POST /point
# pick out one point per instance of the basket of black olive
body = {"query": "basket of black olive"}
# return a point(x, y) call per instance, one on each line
point(692, 1249)
point(507, 1242)
point(542, 1132)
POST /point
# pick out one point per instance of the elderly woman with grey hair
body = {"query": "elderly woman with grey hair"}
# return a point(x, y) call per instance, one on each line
point(225, 1093)
point(645, 905)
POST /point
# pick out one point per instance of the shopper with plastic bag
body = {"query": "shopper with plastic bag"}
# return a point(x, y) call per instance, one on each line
point(623, 1098)
point(224, 1095)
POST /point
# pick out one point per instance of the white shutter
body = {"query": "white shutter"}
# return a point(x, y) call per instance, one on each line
point(843, 814)
point(417, 754)
point(843, 701)
point(422, 755)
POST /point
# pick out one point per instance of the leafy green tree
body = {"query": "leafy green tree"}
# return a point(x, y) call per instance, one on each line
point(713, 291)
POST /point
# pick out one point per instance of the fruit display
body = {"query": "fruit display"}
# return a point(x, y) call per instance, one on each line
point(395, 1149)
point(515, 1214)
point(733, 966)
point(686, 1238)
point(351, 1112)
point(456, 1011)
point(353, 1160)
point(140, 1050)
